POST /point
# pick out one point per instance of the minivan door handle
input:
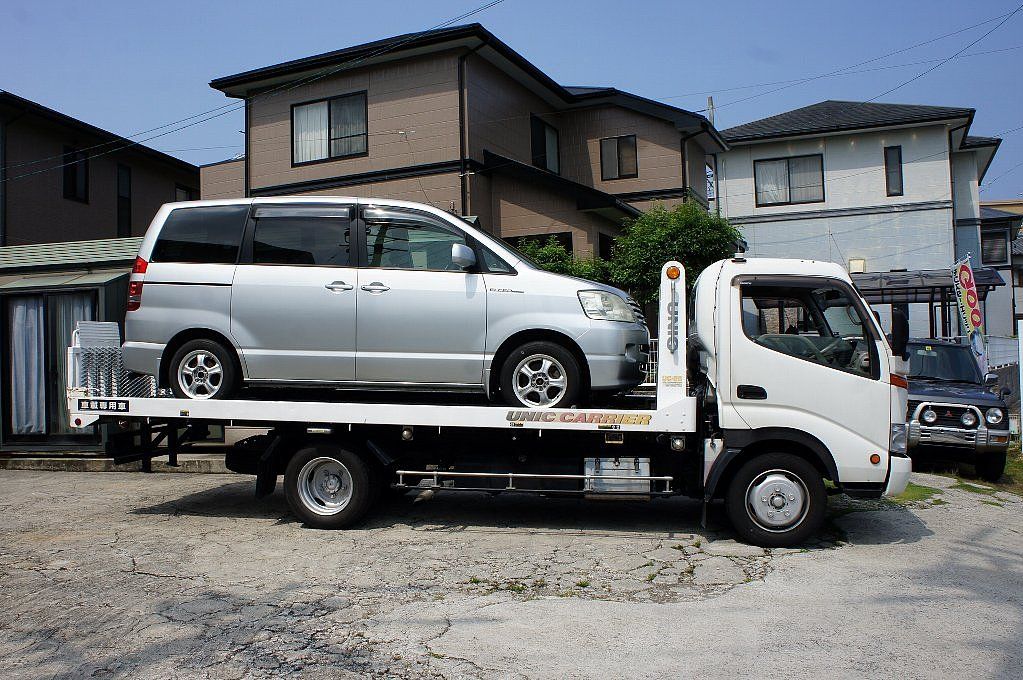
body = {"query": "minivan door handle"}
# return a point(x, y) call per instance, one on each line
point(375, 287)
point(751, 392)
point(338, 286)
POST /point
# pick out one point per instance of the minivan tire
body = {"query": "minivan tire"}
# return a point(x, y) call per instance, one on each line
point(533, 373)
point(212, 367)
point(329, 486)
point(793, 474)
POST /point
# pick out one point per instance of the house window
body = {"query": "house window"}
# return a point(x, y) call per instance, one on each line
point(786, 181)
point(76, 175)
point(618, 157)
point(544, 145)
point(1017, 277)
point(893, 170)
point(994, 248)
point(604, 244)
point(123, 200)
point(183, 193)
point(328, 129)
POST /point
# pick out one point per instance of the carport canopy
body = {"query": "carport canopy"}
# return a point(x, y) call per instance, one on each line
point(921, 285)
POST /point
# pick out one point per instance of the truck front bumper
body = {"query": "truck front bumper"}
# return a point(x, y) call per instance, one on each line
point(979, 440)
point(899, 468)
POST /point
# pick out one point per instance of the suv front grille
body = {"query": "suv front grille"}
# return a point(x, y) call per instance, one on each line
point(948, 416)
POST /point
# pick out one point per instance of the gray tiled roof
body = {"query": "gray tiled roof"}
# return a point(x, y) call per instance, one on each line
point(830, 116)
point(976, 140)
point(987, 213)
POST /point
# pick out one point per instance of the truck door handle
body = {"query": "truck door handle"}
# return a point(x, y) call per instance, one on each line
point(338, 286)
point(375, 287)
point(751, 392)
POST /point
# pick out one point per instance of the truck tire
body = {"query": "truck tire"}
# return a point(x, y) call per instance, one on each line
point(776, 500)
point(990, 466)
point(202, 369)
point(540, 374)
point(328, 486)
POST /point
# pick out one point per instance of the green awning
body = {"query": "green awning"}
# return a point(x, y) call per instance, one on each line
point(61, 280)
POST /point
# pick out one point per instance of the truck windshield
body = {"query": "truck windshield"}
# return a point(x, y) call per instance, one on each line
point(947, 363)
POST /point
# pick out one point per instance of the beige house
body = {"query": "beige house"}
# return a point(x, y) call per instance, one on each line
point(457, 119)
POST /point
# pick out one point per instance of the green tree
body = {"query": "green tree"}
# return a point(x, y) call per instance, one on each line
point(686, 233)
point(554, 257)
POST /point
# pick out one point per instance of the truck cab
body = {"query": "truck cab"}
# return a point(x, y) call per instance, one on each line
point(798, 373)
point(952, 412)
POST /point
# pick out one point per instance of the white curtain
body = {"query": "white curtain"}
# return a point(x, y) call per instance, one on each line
point(65, 311)
point(772, 182)
point(309, 123)
point(807, 182)
point(28, 364)
point(348, 125)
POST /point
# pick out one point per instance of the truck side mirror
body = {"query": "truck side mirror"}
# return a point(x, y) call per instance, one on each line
point(991, 379)
point(462, 255)
point(900, 333)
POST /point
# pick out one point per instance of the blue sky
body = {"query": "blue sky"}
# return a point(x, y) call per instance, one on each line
point(130, 66)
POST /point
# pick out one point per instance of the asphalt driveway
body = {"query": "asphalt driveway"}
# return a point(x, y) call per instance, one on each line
point(132, 575)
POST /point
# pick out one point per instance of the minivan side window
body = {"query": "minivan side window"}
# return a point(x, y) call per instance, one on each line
point(397, 239)
point(299, 235)
point(204, 234)
point(817, 323)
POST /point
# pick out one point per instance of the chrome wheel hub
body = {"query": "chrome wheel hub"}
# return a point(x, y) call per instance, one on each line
point(540, 381)
point(777, 500)
point(325, 486)
point(200, 374)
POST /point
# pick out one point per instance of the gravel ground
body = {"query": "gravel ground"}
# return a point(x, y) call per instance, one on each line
point(132, 575)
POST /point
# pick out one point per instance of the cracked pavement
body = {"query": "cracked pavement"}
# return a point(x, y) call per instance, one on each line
point(187, 575)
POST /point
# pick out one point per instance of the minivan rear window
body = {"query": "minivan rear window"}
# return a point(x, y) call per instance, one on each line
point(204, 234)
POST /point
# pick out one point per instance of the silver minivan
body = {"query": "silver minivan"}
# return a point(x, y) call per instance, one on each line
point(366, 294)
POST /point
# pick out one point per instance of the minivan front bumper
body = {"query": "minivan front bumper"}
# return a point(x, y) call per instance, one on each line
point(617, 354)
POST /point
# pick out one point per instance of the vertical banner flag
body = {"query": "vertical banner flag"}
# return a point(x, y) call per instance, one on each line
point(969, 304)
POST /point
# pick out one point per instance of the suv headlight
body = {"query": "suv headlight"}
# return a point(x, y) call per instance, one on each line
point(898, 440)
point(599, 304)
point(994, 416)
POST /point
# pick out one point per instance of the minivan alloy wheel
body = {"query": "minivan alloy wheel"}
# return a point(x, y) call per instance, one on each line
point(200, 374)
point(540, 380)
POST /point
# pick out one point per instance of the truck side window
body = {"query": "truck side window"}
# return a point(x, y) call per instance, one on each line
point(818, 323)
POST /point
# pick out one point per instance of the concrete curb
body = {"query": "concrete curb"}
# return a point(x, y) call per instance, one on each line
point(195, 463)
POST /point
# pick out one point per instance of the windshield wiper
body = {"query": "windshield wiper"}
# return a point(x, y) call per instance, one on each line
point(939, 379)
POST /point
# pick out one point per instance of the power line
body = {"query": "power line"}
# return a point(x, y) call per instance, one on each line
point(948, 59)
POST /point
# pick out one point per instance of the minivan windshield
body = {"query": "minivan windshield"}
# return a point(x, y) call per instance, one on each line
point(507, 246)
point(944, 363)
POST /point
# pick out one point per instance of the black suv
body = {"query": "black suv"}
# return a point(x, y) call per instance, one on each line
point(953, 413)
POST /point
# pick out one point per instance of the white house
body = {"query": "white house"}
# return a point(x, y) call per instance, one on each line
point(876, 187)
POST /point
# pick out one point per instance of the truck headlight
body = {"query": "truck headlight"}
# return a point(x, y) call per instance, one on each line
point(898, 440)
point(994, 416)
point(929, 416)
point(968, 419)
point(600, 304)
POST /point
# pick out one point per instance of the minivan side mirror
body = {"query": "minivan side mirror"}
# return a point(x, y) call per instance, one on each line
point(462, 255)
point(900, 333)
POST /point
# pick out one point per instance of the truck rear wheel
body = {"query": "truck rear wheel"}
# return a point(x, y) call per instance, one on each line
point(776, 500)
point(328, 487)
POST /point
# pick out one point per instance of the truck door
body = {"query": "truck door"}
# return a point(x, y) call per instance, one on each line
point(805, 355)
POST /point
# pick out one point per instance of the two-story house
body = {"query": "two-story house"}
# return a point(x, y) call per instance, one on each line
point(876, 187)
point(457, 119)
point(74, 202)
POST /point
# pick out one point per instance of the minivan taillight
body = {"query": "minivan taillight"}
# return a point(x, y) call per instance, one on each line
point(134, 295)
point(140, 266)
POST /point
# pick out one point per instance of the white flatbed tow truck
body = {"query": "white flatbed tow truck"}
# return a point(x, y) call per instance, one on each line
point(758, 418)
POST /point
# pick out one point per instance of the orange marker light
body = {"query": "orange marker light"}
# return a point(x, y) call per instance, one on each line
point(897, 380)
point(673, 273)
point(875, 458)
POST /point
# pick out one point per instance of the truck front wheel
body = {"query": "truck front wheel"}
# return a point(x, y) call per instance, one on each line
point(776, 500)
point(328, 487)
point(990, 466)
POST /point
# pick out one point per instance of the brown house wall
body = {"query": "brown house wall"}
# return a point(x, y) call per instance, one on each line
point(418, 96)
point(222, 180)
point(37, 211)
point(440, 191)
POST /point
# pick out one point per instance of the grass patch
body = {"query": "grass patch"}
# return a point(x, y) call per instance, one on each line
point(917, 493)
point(475, 580)
point(994, 503)
point(582, 584)
point(972, 488)
point(1011, 480)
point(437, 655)
point(651, 576)
point(515, 587)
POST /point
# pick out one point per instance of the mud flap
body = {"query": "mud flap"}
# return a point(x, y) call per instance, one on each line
point(267, 467)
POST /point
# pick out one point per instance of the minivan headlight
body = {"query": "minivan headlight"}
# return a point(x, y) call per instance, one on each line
point(994, 416)
point(600, 304)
